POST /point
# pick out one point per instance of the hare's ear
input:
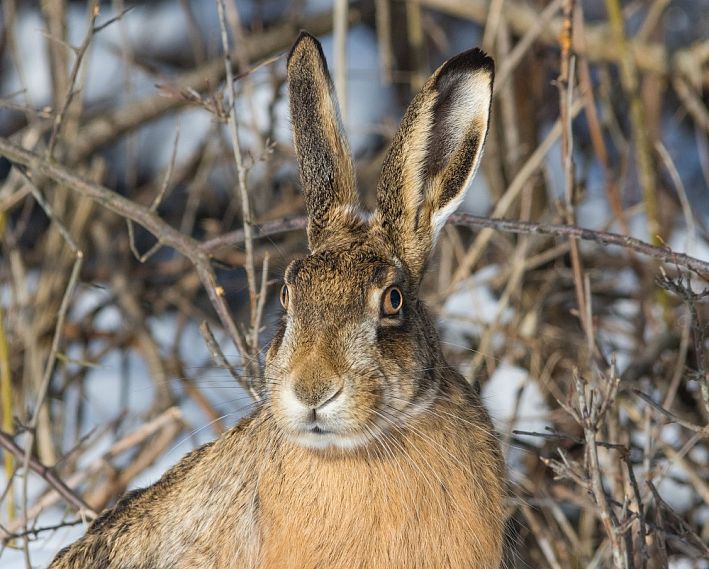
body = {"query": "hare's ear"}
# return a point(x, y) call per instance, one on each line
point(324, 158)
point(434, 155)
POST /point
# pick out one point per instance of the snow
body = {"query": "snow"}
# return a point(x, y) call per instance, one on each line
point(472, 308)
point(34, 59)
point(682, 242)
point(677, 493)
point(507, 385)
point(477, 199)
point(686, 563)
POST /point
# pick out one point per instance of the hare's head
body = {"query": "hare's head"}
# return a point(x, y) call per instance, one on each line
point(357, 354)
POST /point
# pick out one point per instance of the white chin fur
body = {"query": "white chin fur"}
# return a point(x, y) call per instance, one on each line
point(326, 441)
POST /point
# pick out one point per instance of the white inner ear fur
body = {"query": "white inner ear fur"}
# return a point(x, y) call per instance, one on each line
point(353, 212)
point(438, 220)
point(471, 107)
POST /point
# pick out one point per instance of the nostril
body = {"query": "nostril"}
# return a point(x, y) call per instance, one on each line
point(330, 399)
point(315, 397)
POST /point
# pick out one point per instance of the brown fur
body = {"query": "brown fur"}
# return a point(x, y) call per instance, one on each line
point(367, 450)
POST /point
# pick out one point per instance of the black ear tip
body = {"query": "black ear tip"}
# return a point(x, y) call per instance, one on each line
point(481, 59)
point(470, 60)
point(304, 38)
point(303, 35)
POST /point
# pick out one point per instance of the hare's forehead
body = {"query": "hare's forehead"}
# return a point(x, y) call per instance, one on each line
point(344, 273)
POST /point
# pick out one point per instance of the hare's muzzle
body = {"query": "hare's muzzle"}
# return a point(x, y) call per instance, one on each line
point(315, 389)
point(313, 399)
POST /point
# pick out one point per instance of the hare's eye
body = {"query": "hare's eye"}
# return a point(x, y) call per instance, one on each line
point(284, 296)
point(393, 301)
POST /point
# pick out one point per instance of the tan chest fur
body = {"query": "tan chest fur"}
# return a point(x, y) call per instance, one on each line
point(374, 510)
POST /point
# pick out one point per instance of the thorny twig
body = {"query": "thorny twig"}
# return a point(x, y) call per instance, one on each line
point(46, 378)
point(603, 238)
point(35, 531)
point(162, 422)
point(565, 84)
point(221, 361)
point(591, 403)
point(673, 418)
point(106, 127)
point(250, 358)
point(142, 258)
point(48, 474)
point(141, 215)
point(682, 287)
point(681, 527)
point(80, 53)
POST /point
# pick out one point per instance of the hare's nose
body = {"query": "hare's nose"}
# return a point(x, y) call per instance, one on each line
point(316, 395)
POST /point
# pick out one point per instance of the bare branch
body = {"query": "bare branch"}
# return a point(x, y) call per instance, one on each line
point(603, 238)
point(48, 474)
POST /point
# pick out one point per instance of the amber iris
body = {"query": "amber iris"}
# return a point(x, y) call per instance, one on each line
point(393, 301)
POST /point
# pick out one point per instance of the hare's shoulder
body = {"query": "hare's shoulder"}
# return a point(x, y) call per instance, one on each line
point(182, 512)
point(230, 457)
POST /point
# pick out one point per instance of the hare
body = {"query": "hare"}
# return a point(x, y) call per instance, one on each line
point(367, 450)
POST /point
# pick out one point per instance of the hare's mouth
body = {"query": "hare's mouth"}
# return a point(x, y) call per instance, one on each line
point(319, 438)
point(327, 423)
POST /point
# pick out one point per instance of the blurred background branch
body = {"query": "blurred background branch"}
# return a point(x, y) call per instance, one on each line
point(149, 202)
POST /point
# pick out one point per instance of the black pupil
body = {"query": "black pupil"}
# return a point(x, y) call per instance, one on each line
point(395, 298)
point(284, 294)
